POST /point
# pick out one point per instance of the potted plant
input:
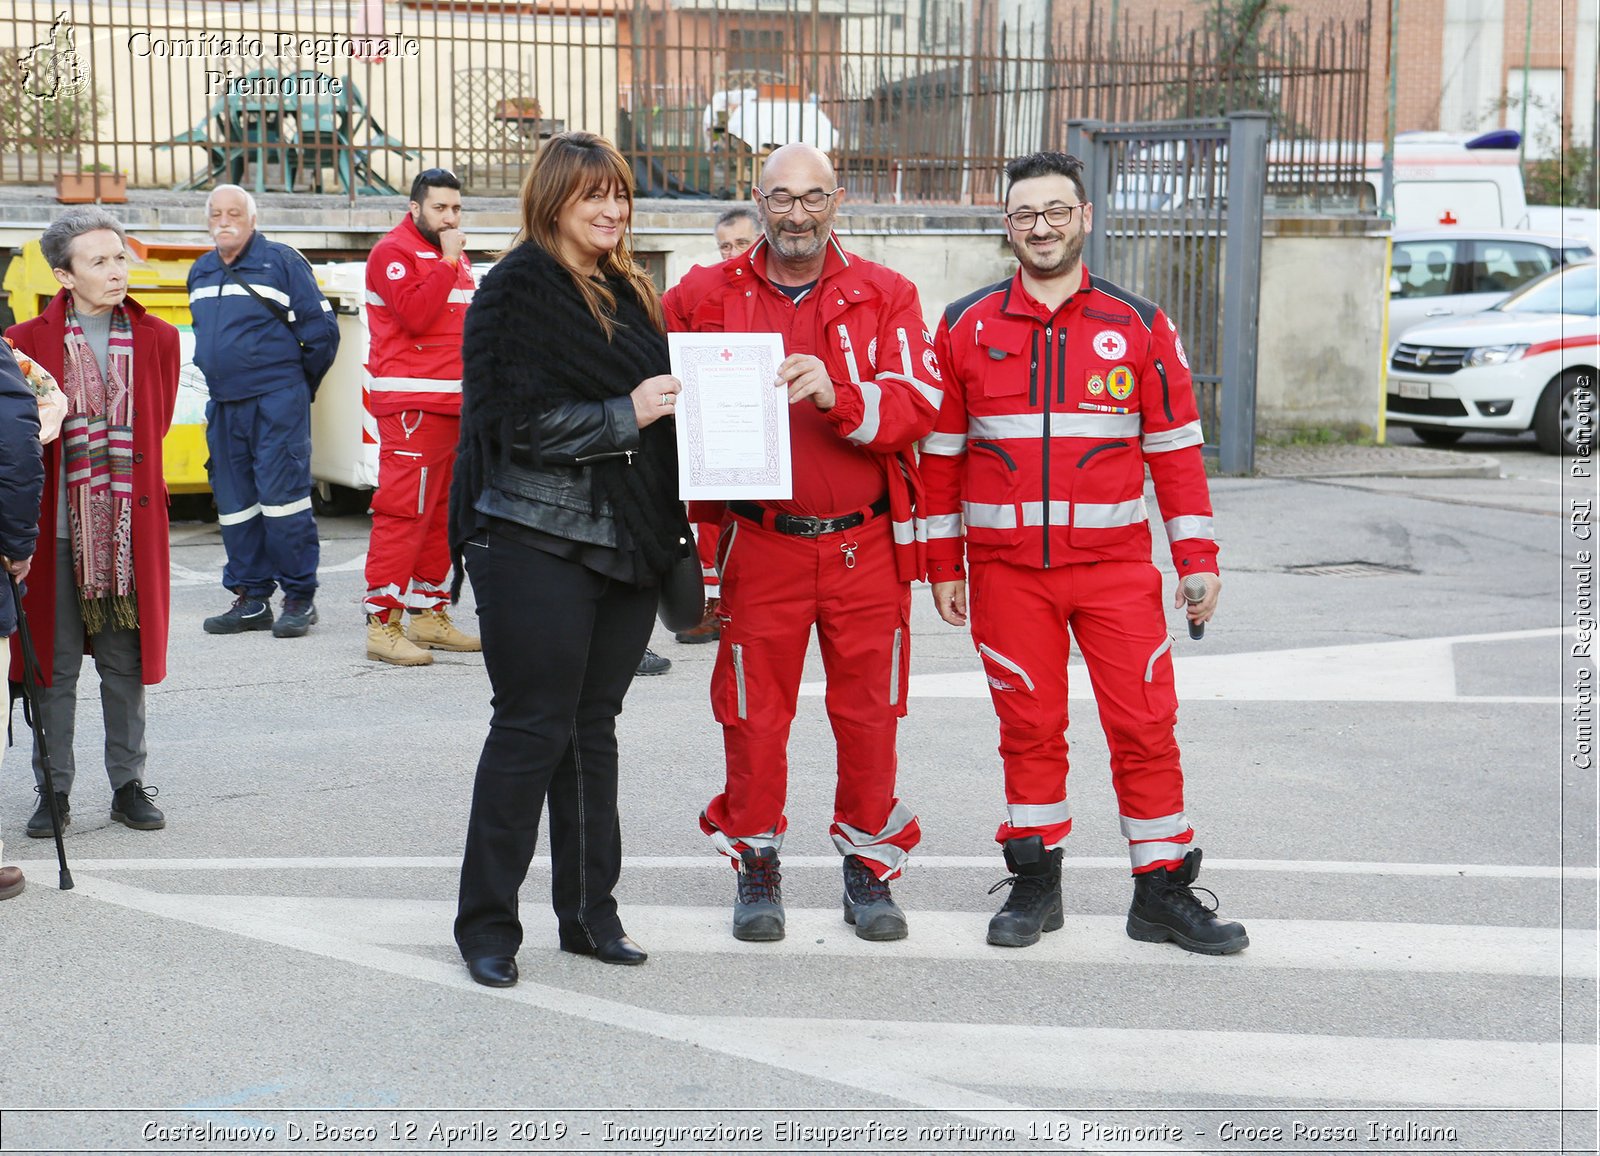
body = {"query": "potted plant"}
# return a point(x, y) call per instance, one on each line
point(92, 183)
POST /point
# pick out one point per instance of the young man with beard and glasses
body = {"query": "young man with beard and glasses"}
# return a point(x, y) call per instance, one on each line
point(264, 335)
point(419, 284)
point(862, 384)
point(1061, 390)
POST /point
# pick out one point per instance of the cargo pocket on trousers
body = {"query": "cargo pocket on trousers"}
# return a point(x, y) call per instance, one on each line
point(729, 702)
point(405, 486)
point(900, 667)
point(1160, 687)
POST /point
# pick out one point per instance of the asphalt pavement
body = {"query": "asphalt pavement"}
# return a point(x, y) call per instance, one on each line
point(1383, 745)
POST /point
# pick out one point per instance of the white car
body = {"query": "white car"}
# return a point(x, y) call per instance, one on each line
point(1453, 271)
point(1528, 363)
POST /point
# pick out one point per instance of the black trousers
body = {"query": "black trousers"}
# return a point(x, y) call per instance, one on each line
point(561, 644)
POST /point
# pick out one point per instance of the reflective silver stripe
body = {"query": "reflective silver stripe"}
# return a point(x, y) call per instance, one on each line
point(1106, 515)
point(327, 306)
point(1191, 526)
point(944, 526)
point(854, 841)
point(849, 353)
point(461, 296)
point(905, 352)
point(1038, 814)
point(1144, 854)
point(416, 385)
point(1062, 425)
point(894, 667)
point(983, 516)
point(374, 299)
point(284, 511)
point(1033, 513)
point(933, 396)
point(945, 445)
point(232, 290)
point(724, 843)
point(919, 529)
point(738, 676)
point(1164, 441)
point(1150, 667)
point(1001, 660)
point(241, 516)
point(1163, 828)
point(871, 399)
point(904, 533)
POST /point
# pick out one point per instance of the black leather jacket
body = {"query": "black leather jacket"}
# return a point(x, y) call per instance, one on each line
point(557, 496)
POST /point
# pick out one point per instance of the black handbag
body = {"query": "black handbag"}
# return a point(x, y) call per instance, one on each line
point(683, 590)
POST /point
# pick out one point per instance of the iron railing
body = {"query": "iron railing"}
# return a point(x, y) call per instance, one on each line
point(917, 100)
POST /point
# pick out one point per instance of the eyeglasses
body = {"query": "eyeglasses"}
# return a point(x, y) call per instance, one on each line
point(1057, 215)
point(431, 177)
point(813, 202)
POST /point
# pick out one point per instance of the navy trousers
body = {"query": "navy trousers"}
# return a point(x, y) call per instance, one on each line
point(261, 477)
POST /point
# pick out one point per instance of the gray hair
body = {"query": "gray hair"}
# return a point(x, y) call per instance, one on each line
point(739, 213)
point(56, 242)
point(249, 201)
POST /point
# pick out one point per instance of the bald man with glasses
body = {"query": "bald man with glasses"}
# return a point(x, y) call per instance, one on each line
point(863, 386)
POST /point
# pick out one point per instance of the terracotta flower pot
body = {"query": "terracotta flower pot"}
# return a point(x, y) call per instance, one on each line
point(86, 188)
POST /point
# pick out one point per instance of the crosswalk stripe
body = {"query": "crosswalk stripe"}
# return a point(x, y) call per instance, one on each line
point(941, 1064)
point(1087, 940)
point(709, 861)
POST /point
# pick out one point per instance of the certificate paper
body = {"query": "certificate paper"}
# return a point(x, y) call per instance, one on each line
point(733, 421)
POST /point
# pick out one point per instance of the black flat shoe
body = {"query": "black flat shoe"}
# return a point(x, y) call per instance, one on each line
point(493, 970)
point(619, 950)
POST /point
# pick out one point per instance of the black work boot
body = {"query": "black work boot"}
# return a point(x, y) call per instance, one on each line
point(131, 806)
point(246, 613)
point(1034, 905)
point(299, 615)
point(1165, 907)
point(758, 912)
point(868, 906)
point(39, 823)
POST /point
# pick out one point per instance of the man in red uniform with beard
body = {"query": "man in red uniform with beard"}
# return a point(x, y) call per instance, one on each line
point(419, 284)
point(1061, 389)
point(840, 554)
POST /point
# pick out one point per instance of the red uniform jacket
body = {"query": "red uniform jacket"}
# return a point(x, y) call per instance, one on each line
point(155, 392)
point(865, 323)
point(416, 304)
point(1047, 427)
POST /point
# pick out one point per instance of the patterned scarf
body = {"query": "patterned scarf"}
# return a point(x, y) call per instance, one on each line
point(97, 438)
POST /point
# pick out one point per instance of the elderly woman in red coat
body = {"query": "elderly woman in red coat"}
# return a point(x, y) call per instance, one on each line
point(100, 582)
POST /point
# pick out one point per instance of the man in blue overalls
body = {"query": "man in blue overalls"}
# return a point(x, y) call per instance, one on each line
point(264, 336)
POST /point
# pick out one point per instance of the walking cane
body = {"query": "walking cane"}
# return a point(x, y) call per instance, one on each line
point(30, 706)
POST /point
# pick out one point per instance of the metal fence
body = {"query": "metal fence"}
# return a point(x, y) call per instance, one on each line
point(918, 100)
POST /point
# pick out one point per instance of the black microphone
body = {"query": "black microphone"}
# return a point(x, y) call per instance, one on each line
point(1194, 590)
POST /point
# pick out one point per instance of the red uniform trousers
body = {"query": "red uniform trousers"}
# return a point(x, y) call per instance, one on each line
point(1023, 623)
point(408, 557)
point(774, 588)
point(705, 538)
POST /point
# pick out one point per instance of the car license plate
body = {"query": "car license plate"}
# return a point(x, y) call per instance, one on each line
point(1413, 389)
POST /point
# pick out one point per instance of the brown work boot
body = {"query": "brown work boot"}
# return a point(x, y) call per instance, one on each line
point(432, 629)
point(709, 630)
point(387, 642)
point(11, 882)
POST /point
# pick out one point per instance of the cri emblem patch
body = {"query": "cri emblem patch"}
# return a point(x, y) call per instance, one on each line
point(1110, 344)
point(1097, 385)
point(1120, 382)
point(395, 271)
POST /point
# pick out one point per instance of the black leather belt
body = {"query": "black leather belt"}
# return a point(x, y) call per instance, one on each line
point(806, 527)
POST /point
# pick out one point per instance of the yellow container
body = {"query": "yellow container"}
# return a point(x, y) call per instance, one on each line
point(158, 279)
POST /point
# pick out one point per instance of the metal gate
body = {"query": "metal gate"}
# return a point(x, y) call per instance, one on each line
point(1178, 215)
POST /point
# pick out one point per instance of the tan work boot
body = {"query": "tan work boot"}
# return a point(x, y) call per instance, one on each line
point(433, 629)
point(387, 642)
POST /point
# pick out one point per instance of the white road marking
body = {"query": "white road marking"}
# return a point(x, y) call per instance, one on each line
point(1086, 940)
point(929, 1063)
point(978, 862)
point(1412, 670)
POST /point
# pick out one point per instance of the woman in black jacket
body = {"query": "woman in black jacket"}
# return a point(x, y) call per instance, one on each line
point(565, 508)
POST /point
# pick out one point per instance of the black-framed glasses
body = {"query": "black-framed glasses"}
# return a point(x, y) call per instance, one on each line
point(813, 202)
point(1056, 216)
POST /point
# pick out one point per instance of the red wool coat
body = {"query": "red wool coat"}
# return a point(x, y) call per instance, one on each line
point(155, 392)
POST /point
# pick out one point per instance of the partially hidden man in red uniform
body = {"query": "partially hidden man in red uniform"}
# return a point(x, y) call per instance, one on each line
point(840, 555)
point(419, 284)
point(1060, 390)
